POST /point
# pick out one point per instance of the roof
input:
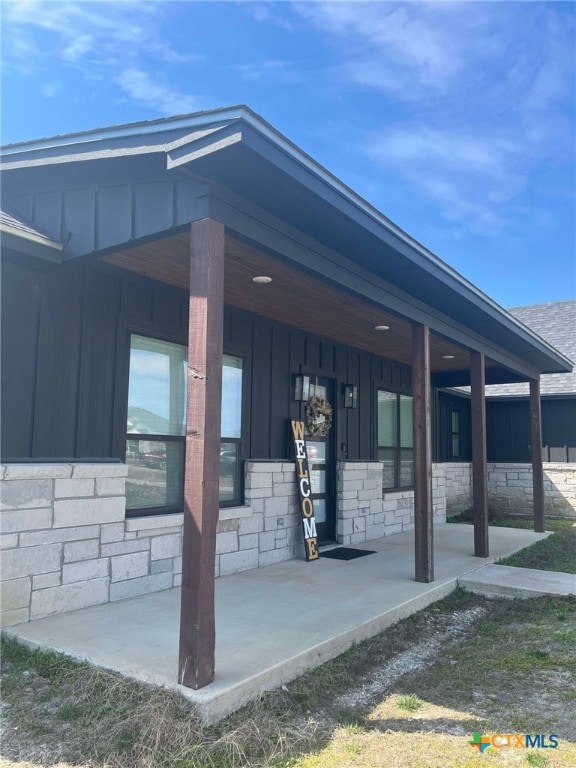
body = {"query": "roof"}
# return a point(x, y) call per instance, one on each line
point(28, 241)
point(26, 230)
point(243, 158)
point(556, 323)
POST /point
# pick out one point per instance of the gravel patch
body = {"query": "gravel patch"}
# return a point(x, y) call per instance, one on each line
point(447, 631)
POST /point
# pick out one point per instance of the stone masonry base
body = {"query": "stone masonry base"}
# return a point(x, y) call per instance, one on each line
point(510, 488)
point(365, 512)
point(67, 543)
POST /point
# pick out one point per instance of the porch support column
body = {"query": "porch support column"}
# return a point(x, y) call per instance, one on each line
point(205, 331)
point(423, 510)
point(479, 470)
point(536, 453)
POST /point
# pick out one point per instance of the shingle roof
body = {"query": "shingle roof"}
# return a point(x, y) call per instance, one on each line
point(25, 229)
point(556, 323)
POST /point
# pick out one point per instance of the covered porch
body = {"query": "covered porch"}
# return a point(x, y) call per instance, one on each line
point(213, 236)
point(273, 623)
point(392, 336)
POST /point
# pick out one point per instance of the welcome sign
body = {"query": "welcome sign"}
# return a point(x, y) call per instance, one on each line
point(305, 492)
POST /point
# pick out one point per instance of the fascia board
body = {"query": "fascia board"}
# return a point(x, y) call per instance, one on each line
point(145, 128)
point(115, 148)
point(31, 246)
point(260, 226)
point(205, 145)
point(268, 142)
point(375, 222)
point(32, 237)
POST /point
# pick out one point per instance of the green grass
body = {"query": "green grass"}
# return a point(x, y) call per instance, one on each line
point(512, 670)
point(536, 760)
point(410, 702)
point(556, 553)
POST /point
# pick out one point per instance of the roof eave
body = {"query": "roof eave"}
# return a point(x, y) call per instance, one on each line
point(358, 208)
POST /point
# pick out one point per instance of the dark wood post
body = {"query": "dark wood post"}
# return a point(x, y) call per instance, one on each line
point(202, 468)
point(536, 453)
point(479, 469)
point(423, 508)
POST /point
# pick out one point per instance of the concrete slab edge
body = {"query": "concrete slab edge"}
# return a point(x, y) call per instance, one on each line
point(492, 560)
point(212, 707)
point(500, 590)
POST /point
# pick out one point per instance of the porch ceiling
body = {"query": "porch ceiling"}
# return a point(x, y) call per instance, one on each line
point(293, 297)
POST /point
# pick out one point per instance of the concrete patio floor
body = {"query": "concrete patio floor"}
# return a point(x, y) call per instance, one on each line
point(274, 623)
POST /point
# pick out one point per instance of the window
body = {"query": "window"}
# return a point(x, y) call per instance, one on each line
point(156, 427)
point(231, 431)
point(455, 433)
point(395, 441)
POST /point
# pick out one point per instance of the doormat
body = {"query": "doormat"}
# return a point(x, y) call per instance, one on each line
point(345, 553)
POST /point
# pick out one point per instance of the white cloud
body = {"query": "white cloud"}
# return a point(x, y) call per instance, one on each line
point(78, 47)
point(390, 45)
point(467, 177)
point(477, 97)
point(139, 86)
point(98, 39)
point(263, 13)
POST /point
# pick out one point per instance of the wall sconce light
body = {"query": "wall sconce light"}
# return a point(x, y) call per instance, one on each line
point(350, 392)
point(301, 388)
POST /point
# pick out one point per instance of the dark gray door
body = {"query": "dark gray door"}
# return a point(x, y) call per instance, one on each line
point(322, 467)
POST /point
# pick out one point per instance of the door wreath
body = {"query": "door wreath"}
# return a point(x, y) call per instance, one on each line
point(319, 416)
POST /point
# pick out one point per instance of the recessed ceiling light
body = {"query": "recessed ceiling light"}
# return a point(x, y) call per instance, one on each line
point(261, 279)
point(448, 357)
point(381, 327)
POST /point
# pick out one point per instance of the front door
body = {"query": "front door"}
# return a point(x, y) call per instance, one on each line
point(321, 464)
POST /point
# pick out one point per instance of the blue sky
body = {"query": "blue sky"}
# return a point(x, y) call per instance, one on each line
point(456, 119)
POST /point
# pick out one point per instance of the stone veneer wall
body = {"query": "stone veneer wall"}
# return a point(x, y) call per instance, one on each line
point(67, 544)
point(510, 488)
point(268, 529)
point(458, 486)
point(364, 512)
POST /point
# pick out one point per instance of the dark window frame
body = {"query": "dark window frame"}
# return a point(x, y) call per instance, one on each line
point(149, 437)
point(238, 501)
point(120, 434)
point(398, 449)
point(455, 433)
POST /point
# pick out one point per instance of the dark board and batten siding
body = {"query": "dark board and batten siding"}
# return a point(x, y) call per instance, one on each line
point(94, 216)
point(20, 303)
point(65, 361)
point(559, 429)
point(64, 333)
point(273, 353)
point(508, 429)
